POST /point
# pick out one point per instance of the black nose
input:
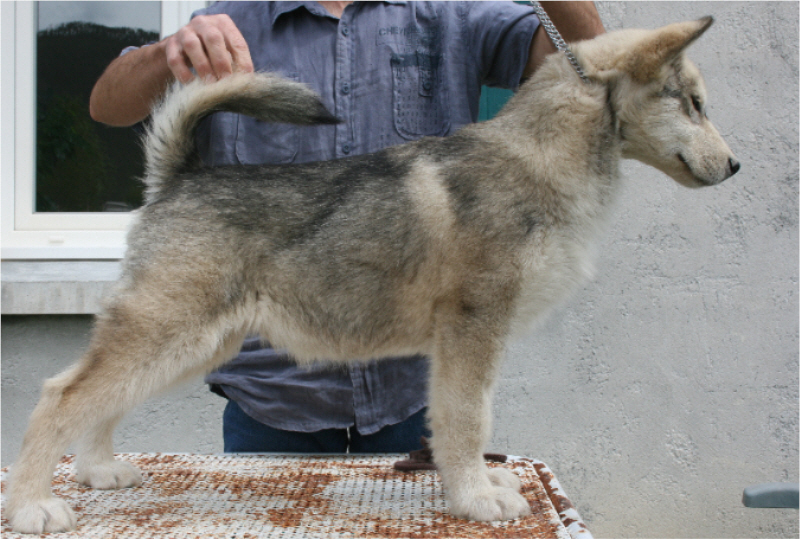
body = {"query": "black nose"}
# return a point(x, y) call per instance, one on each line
point(734, 165)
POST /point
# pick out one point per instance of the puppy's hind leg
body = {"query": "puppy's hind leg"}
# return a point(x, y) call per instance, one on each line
point(29, 505)
point(134, 353)
point(96, 466)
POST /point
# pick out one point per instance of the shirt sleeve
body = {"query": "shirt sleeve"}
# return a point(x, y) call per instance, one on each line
point(499, 36)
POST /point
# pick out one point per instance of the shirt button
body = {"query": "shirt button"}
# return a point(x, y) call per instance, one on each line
point(346, 88)
point(346, 148)
point(345, 30)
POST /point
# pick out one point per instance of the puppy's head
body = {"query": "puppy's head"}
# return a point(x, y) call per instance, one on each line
point(660, 100)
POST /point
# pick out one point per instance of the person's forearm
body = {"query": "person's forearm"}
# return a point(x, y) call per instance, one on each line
point(574, 20)
point(127, 90)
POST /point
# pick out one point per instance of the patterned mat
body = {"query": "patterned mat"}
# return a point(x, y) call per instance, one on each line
point(271, 496)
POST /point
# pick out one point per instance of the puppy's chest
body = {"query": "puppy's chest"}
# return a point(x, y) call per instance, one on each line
point(552, 266)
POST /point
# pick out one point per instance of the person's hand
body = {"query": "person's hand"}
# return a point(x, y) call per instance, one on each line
point(212, 45)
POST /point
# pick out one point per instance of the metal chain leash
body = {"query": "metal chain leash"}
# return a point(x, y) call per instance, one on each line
point(558, 41)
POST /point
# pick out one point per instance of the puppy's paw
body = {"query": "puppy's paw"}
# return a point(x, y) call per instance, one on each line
point(495, 503)
point(109, 475)
point(501, 477)
point(44, 516)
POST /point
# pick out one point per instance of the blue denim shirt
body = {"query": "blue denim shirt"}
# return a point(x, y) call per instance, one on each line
point(394, 72)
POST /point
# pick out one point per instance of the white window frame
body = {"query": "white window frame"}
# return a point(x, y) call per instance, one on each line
point(27, 234)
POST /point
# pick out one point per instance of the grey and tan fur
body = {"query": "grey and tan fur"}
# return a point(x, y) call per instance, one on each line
point(442, 246)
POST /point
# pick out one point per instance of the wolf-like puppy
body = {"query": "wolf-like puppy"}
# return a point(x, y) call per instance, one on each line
point(444, 246)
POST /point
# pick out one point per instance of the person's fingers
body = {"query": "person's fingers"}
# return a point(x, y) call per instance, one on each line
point(177, 61)
point(217, 60)
point(195, 52)
point(236, 46)
point(211, 45)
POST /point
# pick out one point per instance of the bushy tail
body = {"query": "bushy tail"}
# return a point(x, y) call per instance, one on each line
point(169, 142)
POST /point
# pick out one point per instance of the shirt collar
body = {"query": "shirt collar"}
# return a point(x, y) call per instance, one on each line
point(281, 8)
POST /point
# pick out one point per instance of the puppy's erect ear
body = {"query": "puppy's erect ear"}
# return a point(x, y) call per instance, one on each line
point(663, 46)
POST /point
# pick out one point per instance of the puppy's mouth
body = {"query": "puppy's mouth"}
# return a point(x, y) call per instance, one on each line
point(688, 168)
point(698, 182)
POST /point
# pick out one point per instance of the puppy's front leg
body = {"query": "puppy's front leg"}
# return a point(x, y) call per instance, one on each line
point(463, 373)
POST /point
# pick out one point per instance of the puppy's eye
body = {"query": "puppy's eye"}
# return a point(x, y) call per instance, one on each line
point(698, 106)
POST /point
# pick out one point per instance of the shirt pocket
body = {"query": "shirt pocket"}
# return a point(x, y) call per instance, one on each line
point(420, 97)
point(260, 142)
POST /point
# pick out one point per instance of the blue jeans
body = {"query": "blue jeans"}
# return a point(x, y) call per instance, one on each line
point(243, 434)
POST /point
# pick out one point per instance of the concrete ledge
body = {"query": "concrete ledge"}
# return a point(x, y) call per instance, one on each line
point(56, 286)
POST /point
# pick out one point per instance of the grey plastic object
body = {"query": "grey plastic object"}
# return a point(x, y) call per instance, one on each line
point(772, 495)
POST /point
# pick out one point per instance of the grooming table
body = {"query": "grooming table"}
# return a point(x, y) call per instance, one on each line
point(296, 496)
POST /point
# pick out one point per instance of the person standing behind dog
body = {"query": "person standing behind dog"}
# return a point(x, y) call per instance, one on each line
point(393, 72)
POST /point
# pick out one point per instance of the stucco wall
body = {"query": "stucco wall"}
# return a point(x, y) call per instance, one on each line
point(671, 381)
point(665, 386)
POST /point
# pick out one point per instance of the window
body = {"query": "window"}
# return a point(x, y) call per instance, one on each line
point(68, 183)
point(82, 165)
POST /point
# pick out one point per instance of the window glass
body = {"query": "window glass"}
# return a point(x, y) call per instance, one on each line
point(81, 165)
